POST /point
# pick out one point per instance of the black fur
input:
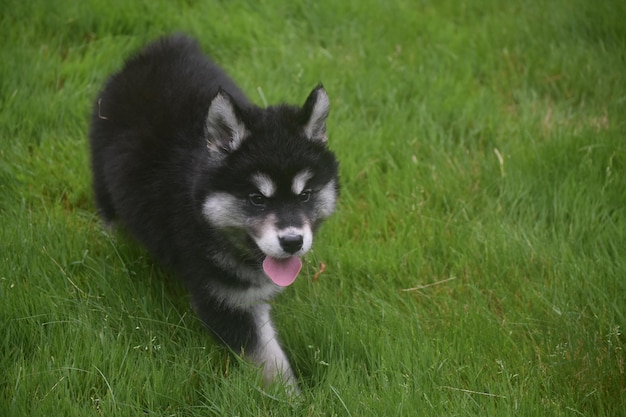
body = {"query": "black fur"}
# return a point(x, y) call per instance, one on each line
point(152, 171)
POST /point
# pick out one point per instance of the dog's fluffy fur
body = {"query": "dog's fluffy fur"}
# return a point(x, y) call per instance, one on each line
point(212, 185)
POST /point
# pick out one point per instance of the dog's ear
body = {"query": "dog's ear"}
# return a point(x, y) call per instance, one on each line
point(314, 114)
point(224, 129)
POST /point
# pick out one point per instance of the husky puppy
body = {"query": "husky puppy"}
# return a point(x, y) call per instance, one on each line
point(224, 193)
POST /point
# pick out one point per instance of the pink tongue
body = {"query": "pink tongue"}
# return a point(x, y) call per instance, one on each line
point(282, 272)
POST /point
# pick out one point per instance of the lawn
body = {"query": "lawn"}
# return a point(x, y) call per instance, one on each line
point(476, 265)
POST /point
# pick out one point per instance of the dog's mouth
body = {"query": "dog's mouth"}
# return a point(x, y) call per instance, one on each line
point(282, 272)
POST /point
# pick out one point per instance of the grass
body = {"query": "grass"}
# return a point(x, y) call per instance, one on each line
point(477, 262)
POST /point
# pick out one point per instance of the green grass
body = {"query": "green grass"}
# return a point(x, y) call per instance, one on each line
point(476, 265)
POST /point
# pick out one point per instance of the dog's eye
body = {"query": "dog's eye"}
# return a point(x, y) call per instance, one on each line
point(257, 199)
point(304, 196)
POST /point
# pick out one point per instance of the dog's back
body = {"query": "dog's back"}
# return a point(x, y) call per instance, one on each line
point(146, 131)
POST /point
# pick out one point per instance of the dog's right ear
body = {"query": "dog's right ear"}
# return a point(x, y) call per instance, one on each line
point(224, 129)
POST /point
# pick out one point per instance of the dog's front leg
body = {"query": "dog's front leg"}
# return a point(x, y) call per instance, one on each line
point(267, 352)
point(249, 330)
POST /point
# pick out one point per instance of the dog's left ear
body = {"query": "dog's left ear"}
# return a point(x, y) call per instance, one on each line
point(314, 114)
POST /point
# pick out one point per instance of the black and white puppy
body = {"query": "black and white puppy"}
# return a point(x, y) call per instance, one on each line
point(226, 194)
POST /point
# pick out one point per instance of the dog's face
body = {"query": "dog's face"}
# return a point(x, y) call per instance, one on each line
point(280, 215)
point(275, 179)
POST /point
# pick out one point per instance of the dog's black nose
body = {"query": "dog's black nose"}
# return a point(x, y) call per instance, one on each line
point(291, 243)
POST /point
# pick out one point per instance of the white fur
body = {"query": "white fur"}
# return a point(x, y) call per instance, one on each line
point(269, 355)
point(264, 184)
point(300, 180)
point(306, 233)
point(262, 290)
point(269, 241)
point(222, 210)
point(327, 200)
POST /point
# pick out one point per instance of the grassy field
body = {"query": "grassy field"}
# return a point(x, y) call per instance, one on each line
point(476, 265)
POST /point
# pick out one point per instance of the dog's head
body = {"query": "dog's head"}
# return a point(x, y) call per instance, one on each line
point(272, 177)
